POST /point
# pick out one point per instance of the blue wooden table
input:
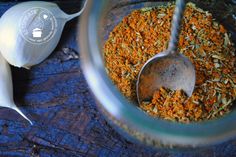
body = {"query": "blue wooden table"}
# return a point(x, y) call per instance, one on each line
point(54, 94)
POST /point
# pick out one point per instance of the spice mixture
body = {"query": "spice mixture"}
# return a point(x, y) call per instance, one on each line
point(173, 105)
point(146, 32)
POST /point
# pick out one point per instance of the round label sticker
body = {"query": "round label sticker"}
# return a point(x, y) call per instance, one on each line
point(38, 25)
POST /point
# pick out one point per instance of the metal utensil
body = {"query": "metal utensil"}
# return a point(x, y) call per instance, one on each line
point(170, 68)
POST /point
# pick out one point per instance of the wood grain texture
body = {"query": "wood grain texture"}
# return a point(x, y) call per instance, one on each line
point(57, 99)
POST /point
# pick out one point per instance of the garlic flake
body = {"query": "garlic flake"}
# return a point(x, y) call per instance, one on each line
point(30, 31)
point(6, 88)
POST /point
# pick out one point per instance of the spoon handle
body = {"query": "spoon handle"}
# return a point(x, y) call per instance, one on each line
point(176, 25)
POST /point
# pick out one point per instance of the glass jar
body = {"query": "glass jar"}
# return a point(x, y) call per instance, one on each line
point(99, 18)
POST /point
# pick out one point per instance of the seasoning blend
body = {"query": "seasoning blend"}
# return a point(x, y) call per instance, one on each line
point(143, 33)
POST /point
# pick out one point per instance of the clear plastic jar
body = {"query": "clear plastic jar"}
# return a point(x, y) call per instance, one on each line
point(97, 21)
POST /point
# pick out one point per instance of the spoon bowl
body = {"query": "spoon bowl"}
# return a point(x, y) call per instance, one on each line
point(171, 70)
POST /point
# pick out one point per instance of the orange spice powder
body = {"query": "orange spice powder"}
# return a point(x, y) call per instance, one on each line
point(146, 32)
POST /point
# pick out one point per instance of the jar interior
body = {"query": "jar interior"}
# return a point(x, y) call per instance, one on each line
point(102, 18)
point(115, 11)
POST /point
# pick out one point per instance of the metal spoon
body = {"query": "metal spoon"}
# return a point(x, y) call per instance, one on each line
point(168, 69)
